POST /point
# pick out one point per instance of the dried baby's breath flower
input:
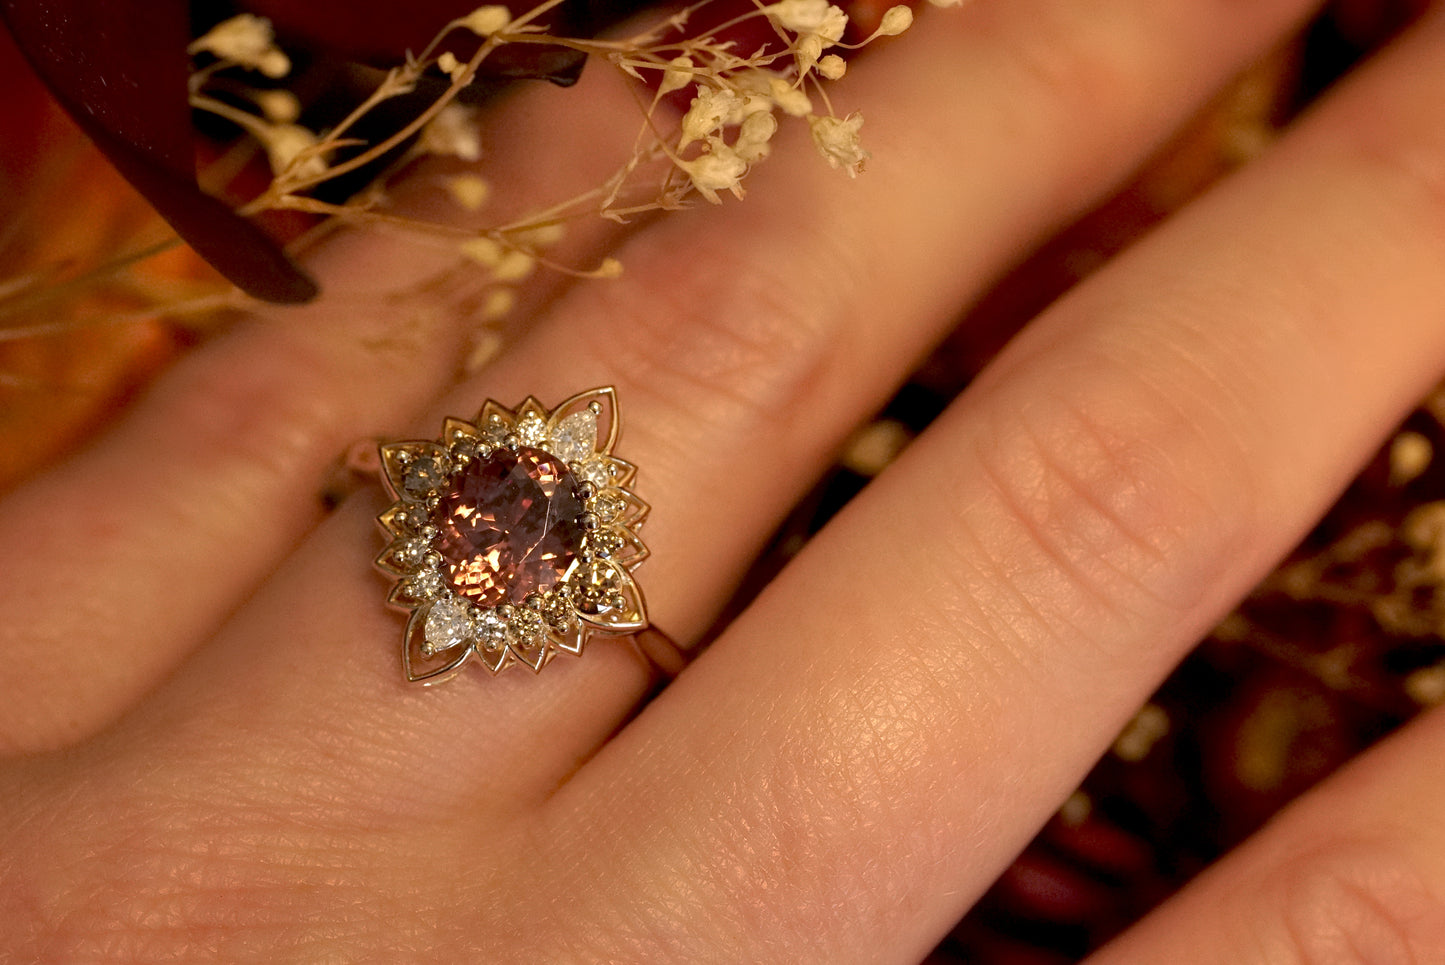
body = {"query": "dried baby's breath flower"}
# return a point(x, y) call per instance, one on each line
point(832, 66)
point(766, 89)
point(756, 130)
point(720, 169)
point(278, 106)
point(498, 303)
point(895, 20)
point(809, 17)
point(678, 75)
point(817, 23)
point(837, 140)
point(453, 132)
point(448, 64)
point(488, 345)
point(488, 20)
point(245, 40)
point(539, 236)
point(710, 110)
point(287, 147)
point(505, 262)
point(483, 250)
point(469, 191)
point(514, 265)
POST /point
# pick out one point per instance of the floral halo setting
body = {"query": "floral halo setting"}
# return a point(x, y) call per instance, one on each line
point(513, 538)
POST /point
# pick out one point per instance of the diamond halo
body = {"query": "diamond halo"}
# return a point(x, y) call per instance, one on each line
point(513, 538)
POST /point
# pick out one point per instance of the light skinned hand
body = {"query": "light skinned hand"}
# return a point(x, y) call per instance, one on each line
point(212, 754)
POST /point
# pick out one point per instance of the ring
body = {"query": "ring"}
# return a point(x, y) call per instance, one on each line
point(513, 537)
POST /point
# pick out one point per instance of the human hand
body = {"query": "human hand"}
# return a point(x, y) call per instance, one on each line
point(213, 756)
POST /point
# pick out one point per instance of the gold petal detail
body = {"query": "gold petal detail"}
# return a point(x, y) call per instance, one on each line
point(624, 548)
point(455, 430)
point(422, 667)
point(623, 472)
point(495, 659)
point(531, 409)
point(400, 556)
point(495, 414)
point(534, 655)
point(572, 640)
point(395, 520)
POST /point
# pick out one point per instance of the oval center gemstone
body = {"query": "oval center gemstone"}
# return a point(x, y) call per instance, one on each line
point(507, 525)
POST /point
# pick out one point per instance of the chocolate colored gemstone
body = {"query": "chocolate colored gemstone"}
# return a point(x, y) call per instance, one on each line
point(507, 525)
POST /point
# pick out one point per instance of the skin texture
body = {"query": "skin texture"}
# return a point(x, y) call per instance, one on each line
point(226, 765)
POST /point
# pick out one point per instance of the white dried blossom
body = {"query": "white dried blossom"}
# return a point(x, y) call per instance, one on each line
point(764, 90)
point(485, 21)
point(808, 17)
point(448, 64)
point(277, 106)
point(247, 41)
point(483, 250)
point(832, 66)
point(817, 23)
point(754, 134)
point(515, 265)
point(837, 140)
point(720, 169)
point(506, 263)
point(790, 97)
point(469, 191)
point(498, 303)
point(285, 144)
point(678, 75)
point(712, 108)
point(453, 132)
point(538, 236)
point(895, 21)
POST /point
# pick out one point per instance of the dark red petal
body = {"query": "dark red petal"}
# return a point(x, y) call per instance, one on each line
point(120, 70)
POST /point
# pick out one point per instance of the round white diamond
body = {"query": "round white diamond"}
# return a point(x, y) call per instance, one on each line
point(448, 624)
point(526, 628)
point(490, 630)
point(427, 584)
point(411, 553)
point(575, 437)
point(530, 430)
point(596, 471)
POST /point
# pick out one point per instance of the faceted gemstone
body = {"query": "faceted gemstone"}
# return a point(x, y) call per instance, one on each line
point(598, 588)
point(424, 476)
point(507, 526)
point(575, 436)
point(448, 624)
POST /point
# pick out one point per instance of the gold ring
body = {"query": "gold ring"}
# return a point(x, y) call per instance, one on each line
point(513, 537)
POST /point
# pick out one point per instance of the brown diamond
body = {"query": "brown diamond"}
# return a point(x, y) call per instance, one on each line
point(507, 525)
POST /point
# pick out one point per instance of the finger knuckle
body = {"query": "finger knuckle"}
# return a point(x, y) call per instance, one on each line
point(734, 342)
point(1074, 61)
point(1351, 901)
point(1114, 498)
